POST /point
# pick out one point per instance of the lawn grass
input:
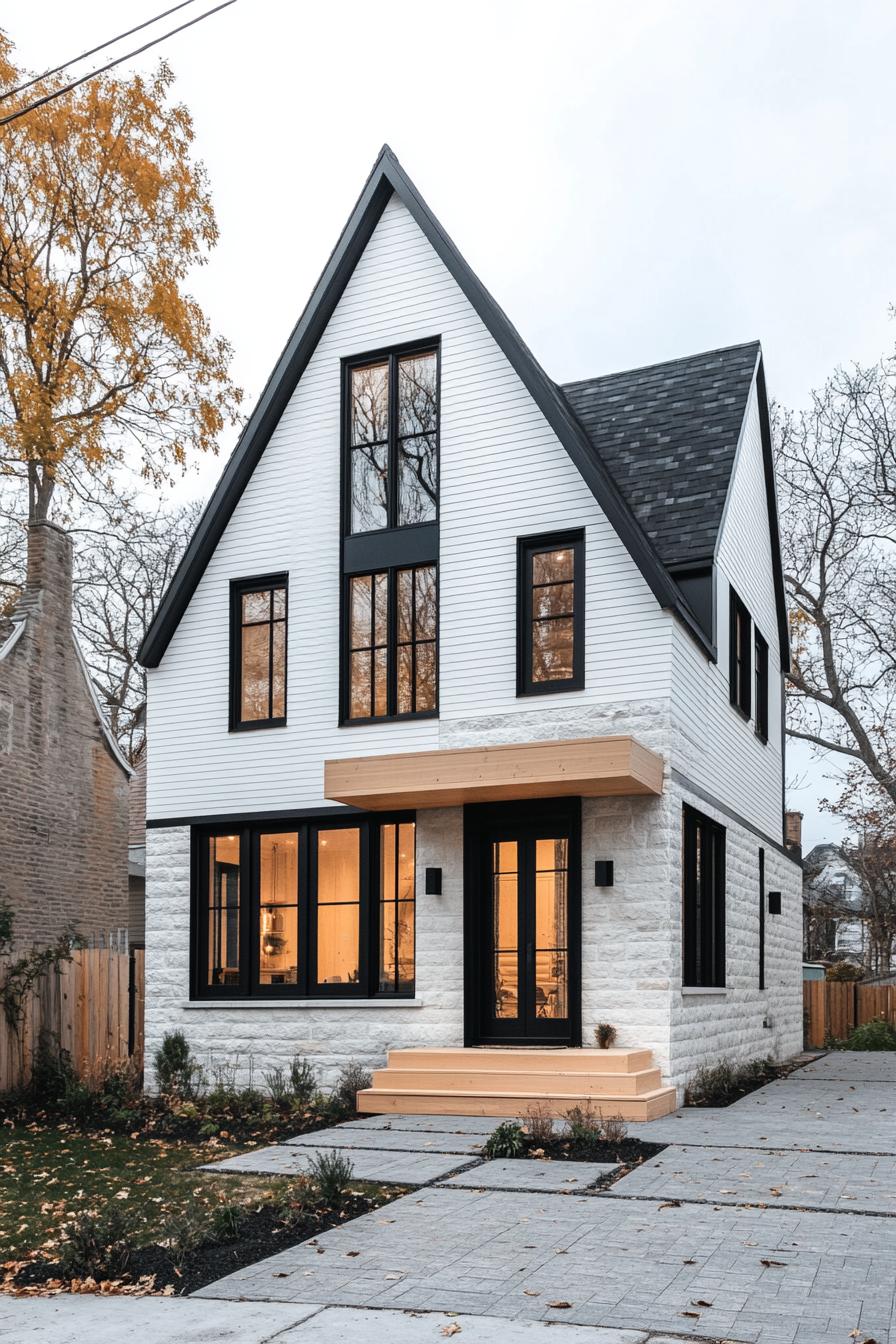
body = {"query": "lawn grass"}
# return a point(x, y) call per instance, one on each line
point(50, 1173)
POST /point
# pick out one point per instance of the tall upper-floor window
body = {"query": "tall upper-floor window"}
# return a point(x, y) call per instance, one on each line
point(551, 613)
point(739, 655)
point(760, 676)
point(258, 652)
point(392, 410)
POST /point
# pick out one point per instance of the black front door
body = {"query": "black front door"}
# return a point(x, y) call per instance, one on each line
point(524, 870)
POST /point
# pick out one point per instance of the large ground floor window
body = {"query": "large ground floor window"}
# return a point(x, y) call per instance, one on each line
point(320, 908)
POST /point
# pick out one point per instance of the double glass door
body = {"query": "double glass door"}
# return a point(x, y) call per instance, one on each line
point(525, 903)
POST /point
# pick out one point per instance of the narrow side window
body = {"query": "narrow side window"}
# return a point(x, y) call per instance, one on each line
point(703, 901)
point(551, 613)
point(258, 653)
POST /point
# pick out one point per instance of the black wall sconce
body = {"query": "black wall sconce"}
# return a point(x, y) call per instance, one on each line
point(774, 902)
point(603, 873)
point(433, 885)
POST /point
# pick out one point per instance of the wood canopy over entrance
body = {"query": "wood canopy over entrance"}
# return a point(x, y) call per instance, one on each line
point(589, 767)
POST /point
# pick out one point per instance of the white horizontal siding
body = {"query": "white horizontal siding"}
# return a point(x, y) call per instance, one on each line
point(503, 474)
point(715, 747)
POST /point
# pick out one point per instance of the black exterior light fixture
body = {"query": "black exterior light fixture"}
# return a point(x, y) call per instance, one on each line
point(433, 882)
point(774, 902)
point(603, 873)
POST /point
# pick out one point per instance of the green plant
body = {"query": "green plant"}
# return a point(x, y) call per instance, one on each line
point(604, 1035)
point(226, 1221)
point(539, 1125)
point(353, 1078)
point(330, 1174)
point(19, 977)
point(844, 970)
point(614, 1129)
point(507, 1140)
point(877, 1034)
point(583, 1125)
point(96, 1246)
point(302, 1081)
point(178, 1074)
point(276, 1083)
point(186, 1230)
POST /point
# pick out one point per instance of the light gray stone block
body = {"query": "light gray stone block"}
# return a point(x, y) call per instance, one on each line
point(389, 1166)
point(532, 1174)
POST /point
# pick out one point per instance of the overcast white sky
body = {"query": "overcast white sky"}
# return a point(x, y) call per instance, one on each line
point(631, 181)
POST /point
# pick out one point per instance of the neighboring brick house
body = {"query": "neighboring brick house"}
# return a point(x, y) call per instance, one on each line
point(137, 852)
point(63, 781)
point(518, 767)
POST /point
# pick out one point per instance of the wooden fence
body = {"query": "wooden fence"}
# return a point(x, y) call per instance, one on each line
point(831, 1009)
point(92, 1005)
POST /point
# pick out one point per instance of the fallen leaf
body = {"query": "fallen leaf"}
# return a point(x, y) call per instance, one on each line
point(671, 1204)
point(699, 1302)
point(559, 1306)
point(693, 1315)
point(352, 1253)
point(774, 1264)
point(531, 1292)
point(452, 1329)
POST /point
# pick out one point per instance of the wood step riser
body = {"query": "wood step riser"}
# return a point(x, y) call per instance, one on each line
point(380, 1102)
point(486, 1080)
point(528, 1061)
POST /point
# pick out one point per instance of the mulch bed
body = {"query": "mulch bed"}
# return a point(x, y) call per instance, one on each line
point(626, 1152)
point(262, 1233)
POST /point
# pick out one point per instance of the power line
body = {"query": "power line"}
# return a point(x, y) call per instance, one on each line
point(29, 84)
point(67, 88)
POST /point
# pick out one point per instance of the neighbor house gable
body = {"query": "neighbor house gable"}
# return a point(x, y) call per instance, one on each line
point(386, 180)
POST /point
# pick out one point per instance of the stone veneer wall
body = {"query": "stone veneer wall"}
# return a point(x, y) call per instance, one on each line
point(63, 795)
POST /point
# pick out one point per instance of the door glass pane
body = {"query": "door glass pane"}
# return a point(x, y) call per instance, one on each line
point(551, 929)
point(338, 897)
point(223, 910)
point(505, 931)
point(278, 929)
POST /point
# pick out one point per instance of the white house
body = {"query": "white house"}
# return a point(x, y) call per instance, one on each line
point(836, 883)
point(465, 709)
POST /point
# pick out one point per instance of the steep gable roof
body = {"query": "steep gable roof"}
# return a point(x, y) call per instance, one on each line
point(669, 435)
point(386, 179)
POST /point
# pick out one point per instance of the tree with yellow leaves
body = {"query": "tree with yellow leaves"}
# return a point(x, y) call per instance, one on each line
point(105, 358)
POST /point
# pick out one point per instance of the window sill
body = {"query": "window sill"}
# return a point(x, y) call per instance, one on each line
point(718, 991)
point(229, 1004)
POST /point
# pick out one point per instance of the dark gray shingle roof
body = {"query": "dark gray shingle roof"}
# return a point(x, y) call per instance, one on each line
point(668, 434)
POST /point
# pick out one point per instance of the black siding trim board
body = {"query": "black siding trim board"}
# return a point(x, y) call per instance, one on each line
point(387, 178)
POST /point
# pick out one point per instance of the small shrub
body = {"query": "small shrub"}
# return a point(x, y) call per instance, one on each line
point(584, 1125)
point(302, 1081)
point(178, 1074)
point(508, 1140)
point(844, 970)
point(721, 1083)
point(97, 1246)
point(330, 1174)
point(226, 1221)
point(604, 1035)
point(52, 1072)
point(615, 1130)
point(539, 1125)
point(875, 1035)
point(276, 1083)
point(186, 1230)
point(353, 1078)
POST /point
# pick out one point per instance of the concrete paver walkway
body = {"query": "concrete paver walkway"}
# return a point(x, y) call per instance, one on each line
point(696, 1243)
point(525, 1173)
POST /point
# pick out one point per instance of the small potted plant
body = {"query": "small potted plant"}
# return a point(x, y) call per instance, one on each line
point(605, 1035)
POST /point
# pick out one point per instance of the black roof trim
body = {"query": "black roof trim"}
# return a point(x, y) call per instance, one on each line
point(387, 177)
point(771, 495)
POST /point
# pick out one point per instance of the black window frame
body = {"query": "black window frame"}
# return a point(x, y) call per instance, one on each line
point(307, 828)
point(702, 912)
point(391, 354)
point(526, 549)
point(740, 654)
point(760, 684)
point(392, 645)
point(238, 589)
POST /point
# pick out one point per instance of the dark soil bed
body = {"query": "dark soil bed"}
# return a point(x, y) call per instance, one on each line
point(626, 1152)
point(723, 1084)
point(262, 1233)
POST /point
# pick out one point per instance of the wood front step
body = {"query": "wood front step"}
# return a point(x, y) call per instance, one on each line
point(509, 1082)
point(380, 1101)
point(520, 1081)
point(563, 1059)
